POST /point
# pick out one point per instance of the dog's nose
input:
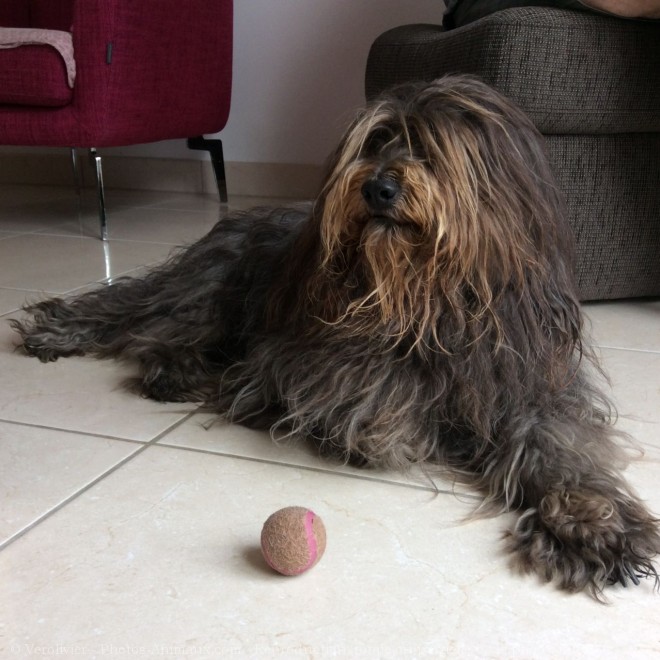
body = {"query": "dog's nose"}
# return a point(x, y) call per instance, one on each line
point(381, 192)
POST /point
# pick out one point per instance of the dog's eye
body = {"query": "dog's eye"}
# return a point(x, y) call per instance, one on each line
point(377, 141)
point(417, 145)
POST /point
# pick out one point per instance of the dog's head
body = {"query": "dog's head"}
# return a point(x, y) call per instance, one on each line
point(438, 191)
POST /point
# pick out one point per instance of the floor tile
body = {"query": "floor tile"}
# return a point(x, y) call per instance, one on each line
point(34, 208)
point(66, 463)
point(79, 394)
point(635, 381)
point(146, 224)
point(185, 202)
point(626, 324)
point(39, 215)
point(17, 195)
point(13, 299)
point(165, 552)
point(46, 211)
point(60, 263)
point(245, 203)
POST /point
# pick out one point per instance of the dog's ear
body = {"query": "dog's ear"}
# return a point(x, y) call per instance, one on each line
point(498, 201)
point(507, 232)
point(502, 213)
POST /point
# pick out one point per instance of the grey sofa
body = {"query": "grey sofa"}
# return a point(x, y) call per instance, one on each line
point(591, 84)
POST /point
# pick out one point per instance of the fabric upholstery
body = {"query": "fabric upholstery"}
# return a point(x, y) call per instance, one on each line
point(46, 14)
point(462, 12)
point(146, 71)
point(51, 14)
point(612, 189)
point(14, 13)
point(591, 85)
point(572, 72)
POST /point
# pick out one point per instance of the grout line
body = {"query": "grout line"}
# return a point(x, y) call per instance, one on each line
point(309, 468)
point(156, 441)
point(652, 351)
point(37, 521)
point(91, 434)
point(15, 288)
point(104, 436)
point(81, 491)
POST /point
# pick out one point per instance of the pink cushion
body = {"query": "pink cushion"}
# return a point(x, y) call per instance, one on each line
point(33, 75)
point(59, 40)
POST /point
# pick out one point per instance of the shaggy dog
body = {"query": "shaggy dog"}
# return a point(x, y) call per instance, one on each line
point(423, 308)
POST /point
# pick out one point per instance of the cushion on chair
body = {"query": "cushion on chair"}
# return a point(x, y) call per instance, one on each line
point(59, 40)
point(36, 67)
point(33, 75)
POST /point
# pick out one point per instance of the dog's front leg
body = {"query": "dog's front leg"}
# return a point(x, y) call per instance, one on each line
point(100, 321)
point(580, 525)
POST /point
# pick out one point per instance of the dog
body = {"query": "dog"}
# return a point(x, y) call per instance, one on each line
point(422, 309)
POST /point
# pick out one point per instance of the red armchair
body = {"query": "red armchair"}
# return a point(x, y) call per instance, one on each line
point(145, 70)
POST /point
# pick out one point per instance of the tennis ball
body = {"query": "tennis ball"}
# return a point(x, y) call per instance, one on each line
point(293, 540)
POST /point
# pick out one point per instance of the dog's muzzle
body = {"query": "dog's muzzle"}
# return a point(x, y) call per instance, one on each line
point(381, 193)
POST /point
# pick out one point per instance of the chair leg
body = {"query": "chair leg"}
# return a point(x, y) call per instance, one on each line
point(214, 147)
point(76, 171)
point(100, 191)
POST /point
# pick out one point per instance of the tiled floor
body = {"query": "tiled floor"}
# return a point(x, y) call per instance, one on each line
point(131, 528)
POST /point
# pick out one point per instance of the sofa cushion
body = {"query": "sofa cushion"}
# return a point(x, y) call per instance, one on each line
point(33, 75)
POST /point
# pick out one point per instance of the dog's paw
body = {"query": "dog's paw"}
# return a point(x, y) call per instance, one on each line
point(44, 343)
point(47, 331)
point(584, 540)
point(36, 346)
point(162, 388)
point(169, 383)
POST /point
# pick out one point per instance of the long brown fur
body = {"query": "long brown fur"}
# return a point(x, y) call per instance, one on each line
point(423, 308)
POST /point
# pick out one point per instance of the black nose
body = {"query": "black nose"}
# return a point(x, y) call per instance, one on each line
point(381, 192)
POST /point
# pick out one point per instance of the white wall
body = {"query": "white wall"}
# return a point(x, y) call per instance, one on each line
point(298, 75)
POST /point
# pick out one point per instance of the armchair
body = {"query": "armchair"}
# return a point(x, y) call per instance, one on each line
point(144, 71)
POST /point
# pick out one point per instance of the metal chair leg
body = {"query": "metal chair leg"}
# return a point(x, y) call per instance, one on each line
point(214, 147)
point(100, 191)
point(76, 171)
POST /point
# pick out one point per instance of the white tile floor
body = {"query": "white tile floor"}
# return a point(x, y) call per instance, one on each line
point(130, 528)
